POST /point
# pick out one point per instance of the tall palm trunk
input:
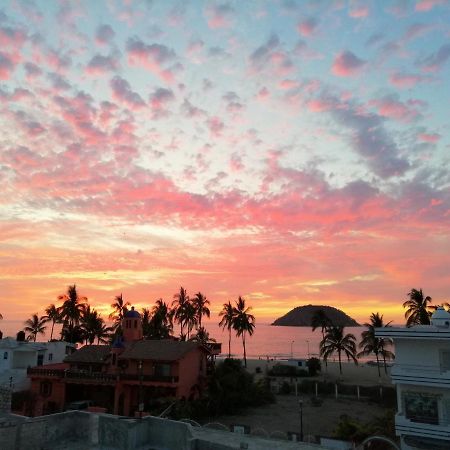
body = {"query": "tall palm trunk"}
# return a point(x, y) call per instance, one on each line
point(245, 354)
point(340, 363)
point(378, 364)
point(51, 334)
point(229, 343)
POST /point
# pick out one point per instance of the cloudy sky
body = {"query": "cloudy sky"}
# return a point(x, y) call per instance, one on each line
point(287, 151)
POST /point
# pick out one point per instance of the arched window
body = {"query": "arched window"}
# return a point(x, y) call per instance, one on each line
point(5, 355)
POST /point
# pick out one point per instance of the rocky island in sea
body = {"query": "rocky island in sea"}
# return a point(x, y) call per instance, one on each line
point(301, 316)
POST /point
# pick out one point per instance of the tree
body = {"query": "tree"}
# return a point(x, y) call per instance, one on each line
point(190, 318)
point(227, 315)
point(52, 313)
point(335, 341)
point(320, 320)
point(35, 326)
point(180, 306)
point(93, 326)
point(160, 325)
point(370, 344)
point(201, 303)
point(418, 308)
point(71, 310)
point(120, 307)
point(202, 337)
point(243, 322)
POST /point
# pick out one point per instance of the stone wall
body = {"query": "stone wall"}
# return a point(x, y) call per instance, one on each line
point(5, 399)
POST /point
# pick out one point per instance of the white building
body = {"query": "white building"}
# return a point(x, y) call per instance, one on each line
point(17, 356)
point(421, 374)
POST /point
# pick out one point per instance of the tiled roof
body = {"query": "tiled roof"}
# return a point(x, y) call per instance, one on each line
point(90, 354)
point(158, 350)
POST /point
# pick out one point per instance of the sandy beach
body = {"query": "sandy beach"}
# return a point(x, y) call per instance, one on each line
point(360, 375)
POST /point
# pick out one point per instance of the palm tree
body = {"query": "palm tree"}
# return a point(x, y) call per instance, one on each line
point(92, 326)
point(35, 326)
point(320, 320)
point(335, 341)
point(202, 337)
point(418, 312)
point(119, 307)
point(370, 344)
point(227, 314)
point(52, 314)
point(201, 303)
point(71, 310)
point(161, 321)
point(243, 322)
point(190, 318)
point(180, 306)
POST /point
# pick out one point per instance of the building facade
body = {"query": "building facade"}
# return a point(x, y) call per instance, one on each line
point(127, 378)
point(17, 356)
point(421, 374)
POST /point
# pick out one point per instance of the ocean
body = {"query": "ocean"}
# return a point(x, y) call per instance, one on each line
point(266, 341)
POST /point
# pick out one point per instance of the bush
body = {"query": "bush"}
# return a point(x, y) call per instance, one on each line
point(285, 388)
point(314, 366)
point(231, 388)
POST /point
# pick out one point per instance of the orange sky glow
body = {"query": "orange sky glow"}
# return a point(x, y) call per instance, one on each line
point(232, 148)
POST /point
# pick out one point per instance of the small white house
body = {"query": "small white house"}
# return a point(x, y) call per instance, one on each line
point(421, 374)
point(17, 356)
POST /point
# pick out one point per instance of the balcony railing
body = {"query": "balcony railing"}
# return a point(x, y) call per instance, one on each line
point(430, 424)
point(99, 376)
point(420, 373)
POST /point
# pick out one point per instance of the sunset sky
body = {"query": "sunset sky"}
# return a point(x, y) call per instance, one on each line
point(291, 152)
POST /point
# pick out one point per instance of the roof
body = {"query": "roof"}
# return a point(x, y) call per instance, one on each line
point(90, 354)
point(159, 350)
point(132, 313)
point(22, 346)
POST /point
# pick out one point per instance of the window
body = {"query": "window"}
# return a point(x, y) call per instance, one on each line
point(162, 370)
point(50, 356)
point(421, 407)
point(45, 388)
point(40, 360)
point(5, 355)
point(445, 360)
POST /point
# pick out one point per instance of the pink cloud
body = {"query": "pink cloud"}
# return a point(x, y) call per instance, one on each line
point(159, 101)
point(307, 27)
point(431, 138)
point(219, 15)
point(263, 94)
point(102, 64)
point(406, 80)
point(346, 64)
point(153, 57)
point(359, 11)
point(7, 65)
point(104, 34)
point(428, 5)
point(393, 108)
point(215, 126)
point(122, 92)
point(436, 61)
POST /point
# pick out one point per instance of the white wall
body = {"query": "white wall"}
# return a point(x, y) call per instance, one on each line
point(420, 352)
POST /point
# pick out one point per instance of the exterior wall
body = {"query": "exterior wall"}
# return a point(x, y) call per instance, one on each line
point(192, 367)
point(58, 351)
point(430, 351)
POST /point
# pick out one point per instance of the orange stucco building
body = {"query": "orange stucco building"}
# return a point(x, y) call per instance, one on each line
point(125, 378)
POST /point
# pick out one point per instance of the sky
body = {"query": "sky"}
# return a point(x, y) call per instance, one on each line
point(291, 152)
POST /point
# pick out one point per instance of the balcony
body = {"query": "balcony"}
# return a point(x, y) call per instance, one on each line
point(419, 426)
point(99, 377)
point(420, 374)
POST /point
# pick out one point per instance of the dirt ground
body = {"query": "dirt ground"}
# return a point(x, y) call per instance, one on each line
point(284, 415)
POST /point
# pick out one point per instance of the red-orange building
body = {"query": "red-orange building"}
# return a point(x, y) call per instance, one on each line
point(128, 376)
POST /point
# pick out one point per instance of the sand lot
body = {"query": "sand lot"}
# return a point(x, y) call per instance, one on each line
point(317, 420)
point(284, 415)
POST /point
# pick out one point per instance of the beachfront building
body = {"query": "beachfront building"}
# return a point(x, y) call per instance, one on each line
point(17, 356)
point(124, 378)
point(421, 374)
